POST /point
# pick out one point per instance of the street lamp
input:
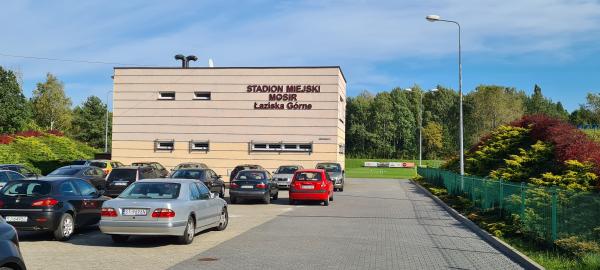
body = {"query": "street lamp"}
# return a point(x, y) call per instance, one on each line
point(106, 124)
point(421, 123)
point(436, 18)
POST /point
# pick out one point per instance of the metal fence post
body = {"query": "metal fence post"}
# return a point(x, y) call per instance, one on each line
point(554, 215)
point(501, 199)
point(523, 202)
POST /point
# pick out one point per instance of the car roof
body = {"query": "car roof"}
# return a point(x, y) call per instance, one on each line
point(99, 160)
point(290, 166)
point(129, 167)
point(253, 170)
point(2, 165)
point(329, 163)
point(194, 169)
point(310, 170)
point(169, 180)
point(51, 179)
point(248, 165)
point(78, 166)
point(144, 162)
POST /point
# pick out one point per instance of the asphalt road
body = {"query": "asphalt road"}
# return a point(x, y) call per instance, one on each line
point(373, 224)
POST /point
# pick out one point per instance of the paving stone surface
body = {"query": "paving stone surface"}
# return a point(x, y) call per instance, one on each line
point(373, 224)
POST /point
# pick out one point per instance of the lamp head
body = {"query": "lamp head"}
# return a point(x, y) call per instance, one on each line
point(433, 18)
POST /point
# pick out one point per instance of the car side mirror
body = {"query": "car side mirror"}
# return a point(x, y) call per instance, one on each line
point(212, 195)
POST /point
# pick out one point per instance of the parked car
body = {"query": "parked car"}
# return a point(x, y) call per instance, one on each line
point(335, 172)
point(176, 207)
point(6, 176)
point(91, 174)
point(284, 174)
point(162, 172)
point(79, 162)
point(20, 169)
point(189, 165)
point(253, 184)
point(311, 185)
point(10, 254)
point(207, 176)
point(242, 167)
point(120, 178)
point(54, 204)
point(106, 165)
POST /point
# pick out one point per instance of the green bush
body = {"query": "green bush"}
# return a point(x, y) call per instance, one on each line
point(576, 247)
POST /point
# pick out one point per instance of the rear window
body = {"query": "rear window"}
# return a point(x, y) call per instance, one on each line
point(189, 174)
point(122, 174)
point(27, 188)
point(251, 175)
point(308, 176)
point(287, 169)
point(65, 171)
point(151, 190)
point(188, 165)
point(98, 164)
point(330, 167)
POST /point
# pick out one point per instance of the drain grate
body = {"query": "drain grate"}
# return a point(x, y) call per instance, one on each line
point(208, 259)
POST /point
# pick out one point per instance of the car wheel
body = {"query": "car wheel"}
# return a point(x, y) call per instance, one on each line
point(222, 193)
point(66, 227)
point(341, 189)
point(326, 203)
point(267, 198)
point(276, 196)
point(232, 200)
point(223, 220)
point(188, 234)
point(119, 238)
point(331, 198)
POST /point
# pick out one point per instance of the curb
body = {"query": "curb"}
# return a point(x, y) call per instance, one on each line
point(495, 242)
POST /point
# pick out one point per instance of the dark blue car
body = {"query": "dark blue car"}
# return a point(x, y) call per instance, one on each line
point(10, 254)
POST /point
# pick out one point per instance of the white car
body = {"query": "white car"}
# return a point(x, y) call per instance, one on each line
point(175, 207)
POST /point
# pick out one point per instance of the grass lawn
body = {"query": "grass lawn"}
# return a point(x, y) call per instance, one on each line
point(355, 169)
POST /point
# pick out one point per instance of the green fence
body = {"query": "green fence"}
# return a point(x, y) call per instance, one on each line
point(545, 213)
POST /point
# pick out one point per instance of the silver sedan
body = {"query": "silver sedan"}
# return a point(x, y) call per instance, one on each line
point(176, 207)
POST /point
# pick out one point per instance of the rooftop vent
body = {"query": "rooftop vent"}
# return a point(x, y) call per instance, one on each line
point(185, 60)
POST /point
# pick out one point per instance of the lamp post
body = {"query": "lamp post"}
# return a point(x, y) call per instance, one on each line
point(421, 124)
point(436, 18)
point(106, 124)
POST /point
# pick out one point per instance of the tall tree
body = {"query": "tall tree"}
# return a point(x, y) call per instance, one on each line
point(357, 119)
point(406, 125)
point(432, 139)
point(538, 104)
point(382, 124)
point(89, 120)
point(14, 112)
point(51, 106)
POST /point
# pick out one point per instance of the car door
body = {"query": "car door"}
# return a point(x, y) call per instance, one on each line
point(218, 180)
point(213, 207)
point(91, 202)
point(70, 194)
point(3, 179)
point(199, 205)
point(274, 189)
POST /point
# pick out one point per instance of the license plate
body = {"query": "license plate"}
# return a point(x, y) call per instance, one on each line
point(134, 212)
point(247, 186)
point(16, 219)
point(308, 187)
point(120, 183)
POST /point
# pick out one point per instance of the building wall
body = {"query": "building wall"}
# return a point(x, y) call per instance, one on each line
point(229, 120)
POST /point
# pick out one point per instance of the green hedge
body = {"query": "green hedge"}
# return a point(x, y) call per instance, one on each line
point(44, 153)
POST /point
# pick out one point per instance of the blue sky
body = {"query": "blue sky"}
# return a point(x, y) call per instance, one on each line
point(379, 44)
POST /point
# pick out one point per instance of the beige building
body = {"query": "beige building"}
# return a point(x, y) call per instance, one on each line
point(227, 116)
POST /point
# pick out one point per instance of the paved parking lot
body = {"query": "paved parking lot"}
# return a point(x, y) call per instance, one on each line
point(374, 224)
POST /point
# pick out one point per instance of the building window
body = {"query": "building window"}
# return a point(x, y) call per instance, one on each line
point(199, 146)
point(280, 147)
point(202, 95)
point(342, 149)
point(166, 95)
point(164, 145)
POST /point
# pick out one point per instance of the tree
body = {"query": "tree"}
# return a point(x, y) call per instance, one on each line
point(357, 119)
point(14, 111)
point(588, 113)
point(432, 139)
point(441, 106)
point(404, 141)
point(382, 125)
point(51, 107)
point(538, 104)
point(89, 122)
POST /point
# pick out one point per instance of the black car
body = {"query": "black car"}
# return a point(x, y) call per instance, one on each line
point(10, 254)
point(120, 178)
point(162, 172)
point(79, 162)
point(54, 204)
point(92, 174)
point(6, 176)
point(242, 167)
point(20, 169)
point(253, 184)
point(207, 176)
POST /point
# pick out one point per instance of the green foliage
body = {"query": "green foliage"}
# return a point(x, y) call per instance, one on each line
point(577, 247)
point(525, 165)
point(51, 106)
point(576, 176)
point(14, 111)
point(593, 134)
point(89, 122)
point(538, 104)
point(432, 139)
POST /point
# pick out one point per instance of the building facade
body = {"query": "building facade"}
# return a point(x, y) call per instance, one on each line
point(225, 117)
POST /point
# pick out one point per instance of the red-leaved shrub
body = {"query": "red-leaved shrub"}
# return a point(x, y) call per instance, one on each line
point(29, 133)
point(5, 139)
point(55, 132)
point(569, 142)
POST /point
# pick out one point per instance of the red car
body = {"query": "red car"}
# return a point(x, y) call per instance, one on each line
point(311, 185)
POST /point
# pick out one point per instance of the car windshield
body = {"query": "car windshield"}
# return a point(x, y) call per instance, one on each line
point(140, 164)
point(65, 171)
point(308, 176)
point(330, 167)
point(122, 174)
point(287, 169)
point(27, 188)
point(251, 175)
point(189, 174)
point(151, 190)
point(188, 165)
point(98, 164)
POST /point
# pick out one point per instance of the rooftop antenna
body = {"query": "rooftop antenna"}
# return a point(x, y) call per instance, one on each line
point(211, 63)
